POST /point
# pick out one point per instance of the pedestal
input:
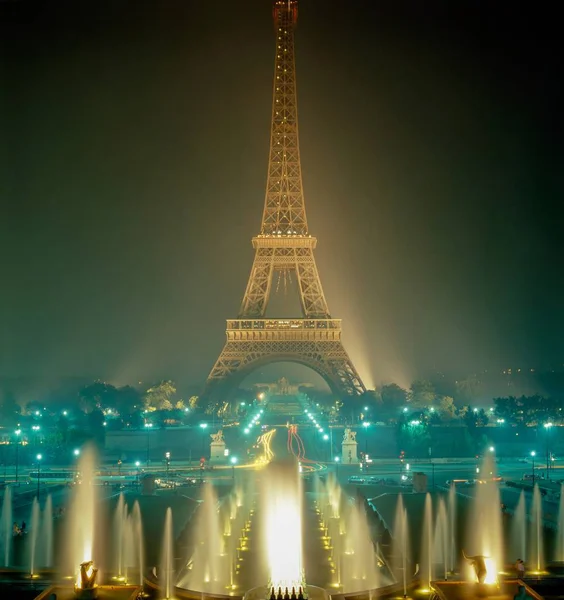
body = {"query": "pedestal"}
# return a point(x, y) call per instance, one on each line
point(349, 456)
point(217, 452)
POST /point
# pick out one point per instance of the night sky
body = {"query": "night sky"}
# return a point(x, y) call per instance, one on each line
point(133, 154)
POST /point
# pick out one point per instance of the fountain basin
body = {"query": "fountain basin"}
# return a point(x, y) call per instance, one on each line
point(104, 592)
point(465, 590)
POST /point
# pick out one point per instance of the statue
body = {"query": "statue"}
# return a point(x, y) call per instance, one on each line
point(217, 438)
point(478, 563)
point(350, 436)
point(85, 587)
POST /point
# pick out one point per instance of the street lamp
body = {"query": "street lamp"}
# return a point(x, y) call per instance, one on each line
point(366, 425)
point(233, 463)
point(203, 426)
point(39, 457)
point(533, 454)
point(547, 428)
point(76, 453)
point(138, 465)
point(148, 428)
point(167, 456)
point(492, 449)
point(18, 433)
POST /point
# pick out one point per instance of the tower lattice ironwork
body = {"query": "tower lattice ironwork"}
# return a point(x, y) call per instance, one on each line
point(284, 245)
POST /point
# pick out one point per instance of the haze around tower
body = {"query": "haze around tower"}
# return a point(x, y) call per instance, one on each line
point(133, 163)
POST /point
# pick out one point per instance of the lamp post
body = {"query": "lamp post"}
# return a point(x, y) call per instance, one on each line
point(326, 438)
point(39, 457)
point(203, 427)
point(337, 460)
point(366, 425)
point(233, 463)
point(533, 454)
point(547, 428)
point(76, 453)
point(148, 428)
point(167, 457)
point(138, 465)
point(18, 433)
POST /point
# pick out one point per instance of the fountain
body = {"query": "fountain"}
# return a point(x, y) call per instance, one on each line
point(137, 531)
point(167, 568)
point(441, 539)
point(485, 536)
point(232, 533)
point(560, 538)
point(120, 519)
point(536, 538)
point(426, 556)
point(82, 516)
point(6, 525)
point(281, 510)
point(34, 536)
point(519, 528)
point(452, 527)
point(47, 532)
point(400, 543)
point(85, 587)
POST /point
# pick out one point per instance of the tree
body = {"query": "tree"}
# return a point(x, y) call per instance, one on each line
point(160, 396)
point(468, 390)
point(128, 400)
point(422, 394)
point(393, 400)
point(97, 395)
point(446, 409)
point(10, 410)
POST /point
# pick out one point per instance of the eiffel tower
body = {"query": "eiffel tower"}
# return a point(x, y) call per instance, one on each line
point(284, 245)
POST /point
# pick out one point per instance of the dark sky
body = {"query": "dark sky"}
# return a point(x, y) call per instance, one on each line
point(133, 154)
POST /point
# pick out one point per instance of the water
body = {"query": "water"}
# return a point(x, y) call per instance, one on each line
point(452, 527)
point(441, 539)
point(82, 516)
point(560, 538)
point(536, 555)
point(484, 535)
point(426, 556)
point(519, 529)
point(221, 538)
point(34, 536)
point(281, 511)
point(47, 532)
point(167, 571)
point(120, 517)
point(137, 531)
point(359, 570)
point(397, 539)
point(6, 525)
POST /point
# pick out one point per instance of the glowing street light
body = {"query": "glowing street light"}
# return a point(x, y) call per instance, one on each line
point(18, 433)
point(76, 453)
point(167, 457)
point(492, 449)
point(233, 460)
point(38, 457)
point(533, 454)
point(547, 428)
point(203, 427)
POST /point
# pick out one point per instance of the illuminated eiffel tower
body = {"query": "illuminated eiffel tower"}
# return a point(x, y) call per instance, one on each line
point(284, 245)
